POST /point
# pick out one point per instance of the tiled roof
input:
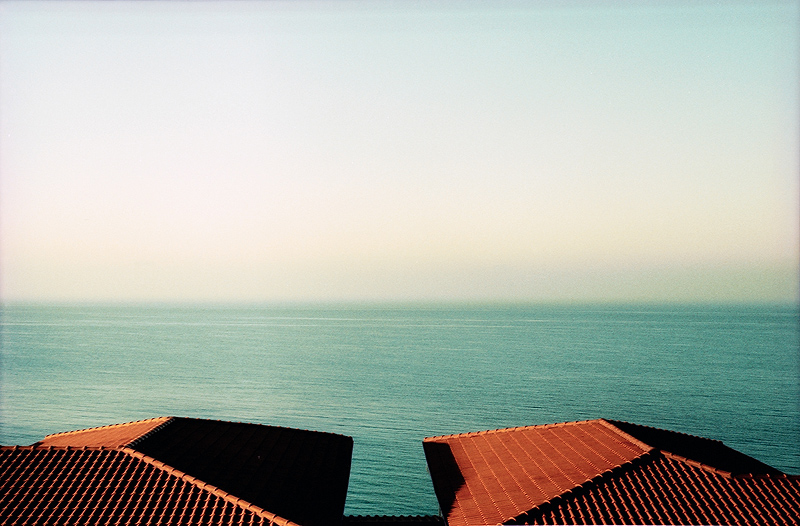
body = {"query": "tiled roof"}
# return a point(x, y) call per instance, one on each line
point(177, 471)
point(600, 472)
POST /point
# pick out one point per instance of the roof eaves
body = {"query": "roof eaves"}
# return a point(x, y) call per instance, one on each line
point(204, 486)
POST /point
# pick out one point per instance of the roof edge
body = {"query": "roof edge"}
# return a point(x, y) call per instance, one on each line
point(238, 422)
point(509, 429)
point(110, 426)
point(39, 447)
point(646, 447)
point(680, 433)
point(700, 465)
point(156, 429)
point(236, 501)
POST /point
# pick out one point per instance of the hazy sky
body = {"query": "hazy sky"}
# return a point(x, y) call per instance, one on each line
point(270, 151)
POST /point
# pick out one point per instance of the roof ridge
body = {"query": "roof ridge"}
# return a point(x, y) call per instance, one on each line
point(509, 429)
point(39, 447)
point(204, 486)
point(156, 429)
point(540, 509)
point(609, 424)
point(249, 424)
point(696, 464)
point(110, 426)
point(611, 421)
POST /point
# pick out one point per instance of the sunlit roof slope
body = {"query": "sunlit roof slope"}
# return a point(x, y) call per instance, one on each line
point(603, 472)
point(116, 435)
point(61, 485)
point(177, 471)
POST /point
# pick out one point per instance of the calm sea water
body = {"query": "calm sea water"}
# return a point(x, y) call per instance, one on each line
point(391, 375)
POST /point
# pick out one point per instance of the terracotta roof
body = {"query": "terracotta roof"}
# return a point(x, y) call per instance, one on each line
point(177, 471)
point(600, 472)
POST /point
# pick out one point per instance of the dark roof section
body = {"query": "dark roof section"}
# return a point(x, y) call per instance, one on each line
point(177, 471)
point(596, 471)
point(59, 485)
point(297, 474)
point(704, 450)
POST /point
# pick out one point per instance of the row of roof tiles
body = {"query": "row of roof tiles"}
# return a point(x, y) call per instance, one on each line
point(105, 486)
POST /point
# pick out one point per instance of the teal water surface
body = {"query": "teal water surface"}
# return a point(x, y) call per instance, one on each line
point(390, 375)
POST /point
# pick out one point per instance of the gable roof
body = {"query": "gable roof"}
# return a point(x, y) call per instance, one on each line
point(171, 470)
point(600, 471)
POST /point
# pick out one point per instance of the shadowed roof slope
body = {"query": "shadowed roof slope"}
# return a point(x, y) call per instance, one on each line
point(177, 471)
point(297, 474)
point(596, 472)
point(703, 450)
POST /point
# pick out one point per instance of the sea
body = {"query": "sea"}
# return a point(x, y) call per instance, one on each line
point(389, 375)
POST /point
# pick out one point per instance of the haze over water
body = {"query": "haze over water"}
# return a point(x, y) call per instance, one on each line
point(390, 375)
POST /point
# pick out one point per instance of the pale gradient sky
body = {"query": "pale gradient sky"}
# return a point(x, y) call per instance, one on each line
point(366, 150)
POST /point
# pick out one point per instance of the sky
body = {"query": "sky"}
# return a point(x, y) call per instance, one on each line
point(276, 151)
